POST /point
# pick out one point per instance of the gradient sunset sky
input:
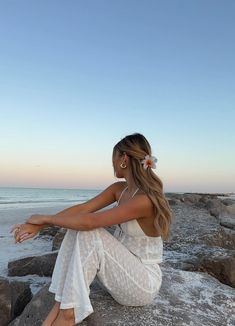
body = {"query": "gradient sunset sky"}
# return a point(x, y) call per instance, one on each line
point(77, 76)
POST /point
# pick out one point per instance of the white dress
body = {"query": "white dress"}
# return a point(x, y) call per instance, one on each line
point(126, 264)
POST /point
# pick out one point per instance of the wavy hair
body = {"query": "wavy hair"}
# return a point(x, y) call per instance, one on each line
point(136, 147)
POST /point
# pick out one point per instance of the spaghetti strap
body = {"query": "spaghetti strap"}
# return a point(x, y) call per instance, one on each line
point(135, 192)
point(119, 200)
point(121, 194)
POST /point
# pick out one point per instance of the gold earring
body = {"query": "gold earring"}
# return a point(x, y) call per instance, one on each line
point(123, 166)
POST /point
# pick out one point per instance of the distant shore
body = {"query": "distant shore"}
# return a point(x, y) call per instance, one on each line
point(205, 193)
point(212, 194)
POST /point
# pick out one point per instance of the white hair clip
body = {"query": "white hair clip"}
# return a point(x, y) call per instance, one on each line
point(149, 162)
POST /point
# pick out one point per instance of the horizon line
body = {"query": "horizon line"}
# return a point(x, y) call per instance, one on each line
point(96, 189)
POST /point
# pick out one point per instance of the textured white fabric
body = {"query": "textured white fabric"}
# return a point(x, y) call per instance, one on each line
point(116, 260)
point(148, 249)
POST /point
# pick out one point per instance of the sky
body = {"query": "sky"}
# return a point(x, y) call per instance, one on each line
point(77, 76)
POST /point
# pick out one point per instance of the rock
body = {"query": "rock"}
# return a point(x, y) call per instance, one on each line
point(41, 265)
point(198, 242)
point(173, 201)
point(215, 212)
point(174, 196)
point(204, 199)
point(50, 231)
point(56, 243)
point(212, 195)
point(222, 267)
point(219, 237)
point(14, 296)
point(191, 198)
point(185, 298)
point(15, 322)
point(213, 204)
point(218, 262)
point(228, 221)
point(199, 204)
point(228, 201)
point(37, 309)
point(215, 207)
point(231, 209)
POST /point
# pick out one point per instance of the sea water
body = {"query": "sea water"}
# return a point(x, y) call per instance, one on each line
point(17, 204)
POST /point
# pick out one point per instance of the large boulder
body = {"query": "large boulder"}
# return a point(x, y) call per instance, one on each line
point(36, 311)
point(215, 207)
point(191, 198)
point(199, 243)
point(231, 209)
point(228, 201)
point(218, 262)
point(14, 296)
point(212, 203)
point(204, 198)
point(185, 298)
point(41, 265)
point(228, 221)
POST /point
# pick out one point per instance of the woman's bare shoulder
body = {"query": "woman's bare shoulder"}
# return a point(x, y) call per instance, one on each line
point(119, 187)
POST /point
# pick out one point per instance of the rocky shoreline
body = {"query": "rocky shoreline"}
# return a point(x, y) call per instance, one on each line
point(198, 274)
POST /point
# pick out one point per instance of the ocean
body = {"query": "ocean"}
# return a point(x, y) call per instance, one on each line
point(17, 204)
point(42, 197)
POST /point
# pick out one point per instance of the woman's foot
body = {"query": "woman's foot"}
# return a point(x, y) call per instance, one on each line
point(65, 318)
point(52, 315)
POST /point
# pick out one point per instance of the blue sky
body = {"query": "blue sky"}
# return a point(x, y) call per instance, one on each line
point(77, 76)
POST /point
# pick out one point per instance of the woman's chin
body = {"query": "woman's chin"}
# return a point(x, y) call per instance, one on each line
point(120, 176)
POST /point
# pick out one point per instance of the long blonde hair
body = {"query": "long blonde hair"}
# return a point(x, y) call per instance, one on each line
point(136, 147)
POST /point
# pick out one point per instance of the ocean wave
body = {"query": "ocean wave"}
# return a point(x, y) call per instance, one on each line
point(40, 201)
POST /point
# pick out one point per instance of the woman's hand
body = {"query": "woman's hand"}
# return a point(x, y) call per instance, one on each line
point(39, 219)
point(25, 231)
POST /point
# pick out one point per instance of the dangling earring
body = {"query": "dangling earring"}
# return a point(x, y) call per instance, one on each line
point(123, 166)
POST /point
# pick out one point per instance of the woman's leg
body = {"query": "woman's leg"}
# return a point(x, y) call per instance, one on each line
point(92, 253)
point(59, 273)
point(51, 317)
point(124, 276)
point(69, 282)
point(65, 318)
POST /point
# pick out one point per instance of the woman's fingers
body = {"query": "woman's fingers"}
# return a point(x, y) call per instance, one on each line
point(23, 233)
point(26, 234)
point(17, 234)
point(15, 227)
point(18, 237)
point(26, 237)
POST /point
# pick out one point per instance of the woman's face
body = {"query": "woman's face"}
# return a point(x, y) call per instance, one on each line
point(117, 160)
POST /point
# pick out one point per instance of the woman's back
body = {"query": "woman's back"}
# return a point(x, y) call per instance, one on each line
point(148, 249)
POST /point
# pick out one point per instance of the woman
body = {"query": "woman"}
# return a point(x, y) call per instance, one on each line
point(126, 263)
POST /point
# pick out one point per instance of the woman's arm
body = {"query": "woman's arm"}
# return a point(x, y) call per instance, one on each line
point(139, 206)
point(105, 198)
